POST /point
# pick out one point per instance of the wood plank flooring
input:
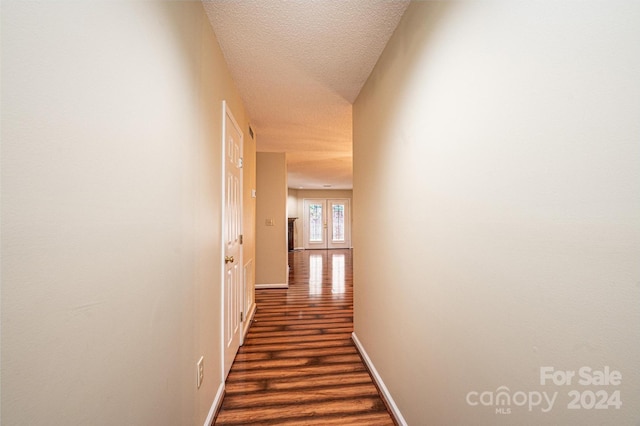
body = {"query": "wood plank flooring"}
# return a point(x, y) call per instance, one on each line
point(298, 365)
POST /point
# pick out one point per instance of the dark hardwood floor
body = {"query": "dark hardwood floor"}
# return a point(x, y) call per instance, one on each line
point(298, 365)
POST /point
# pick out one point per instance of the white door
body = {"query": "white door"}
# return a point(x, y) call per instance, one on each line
point(232, 298)
point(315, 224)
point(338, 224)
point(327, 223)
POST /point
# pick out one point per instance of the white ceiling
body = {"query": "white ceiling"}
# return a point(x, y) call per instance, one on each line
point(299, 65)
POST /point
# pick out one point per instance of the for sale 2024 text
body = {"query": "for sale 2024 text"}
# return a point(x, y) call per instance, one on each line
point(599, 399)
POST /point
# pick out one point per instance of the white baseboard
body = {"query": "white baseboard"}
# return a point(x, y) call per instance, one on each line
point(261, 286)
point(275, 285)
point(248, 319)
point(376, 377)
point(217, 401)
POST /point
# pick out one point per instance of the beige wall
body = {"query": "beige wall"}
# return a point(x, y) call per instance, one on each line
point(292, 203)
point(249, 223)
point(496, 156)
point(271, 241)
point(111, 208)
point(292, 211)
point(295, 206)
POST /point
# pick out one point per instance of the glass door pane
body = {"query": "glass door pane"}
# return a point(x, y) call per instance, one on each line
point(315, 223)
point(337, 219)
point(339, 224)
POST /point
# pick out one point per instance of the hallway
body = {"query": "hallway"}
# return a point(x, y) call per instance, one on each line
point(298, 364)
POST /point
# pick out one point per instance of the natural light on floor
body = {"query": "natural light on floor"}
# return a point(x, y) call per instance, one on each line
point(337, 277)
point(315, 274)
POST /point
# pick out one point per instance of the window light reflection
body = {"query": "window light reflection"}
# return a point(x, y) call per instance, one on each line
point(315, 274)
point(337, 277)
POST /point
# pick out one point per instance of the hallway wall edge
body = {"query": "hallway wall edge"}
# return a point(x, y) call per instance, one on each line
point(386, 395)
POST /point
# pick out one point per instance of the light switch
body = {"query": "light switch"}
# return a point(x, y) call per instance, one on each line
point(268, 222)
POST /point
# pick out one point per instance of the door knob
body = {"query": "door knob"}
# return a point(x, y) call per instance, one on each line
point(228, 259)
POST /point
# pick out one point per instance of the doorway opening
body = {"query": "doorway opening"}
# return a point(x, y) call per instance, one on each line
point(327, 223)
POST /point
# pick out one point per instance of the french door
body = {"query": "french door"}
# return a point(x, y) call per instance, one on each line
point(327, 223)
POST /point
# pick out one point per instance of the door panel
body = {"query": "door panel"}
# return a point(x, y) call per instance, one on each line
point(315, 223)
point(338, 224)
point(233, 283)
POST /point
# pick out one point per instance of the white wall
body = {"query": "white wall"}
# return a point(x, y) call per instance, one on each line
point(110, 212)
point(496, 155)
point(271, 204)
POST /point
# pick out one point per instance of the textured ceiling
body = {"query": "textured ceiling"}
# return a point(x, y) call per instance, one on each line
point(299, 65)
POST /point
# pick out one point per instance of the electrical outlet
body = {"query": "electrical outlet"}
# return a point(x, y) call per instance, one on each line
point(200, 372)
